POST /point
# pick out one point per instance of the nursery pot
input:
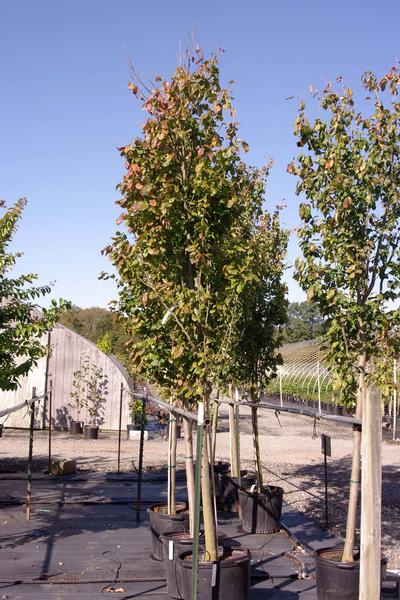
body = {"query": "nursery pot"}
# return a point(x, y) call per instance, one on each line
point(174, 544)
point(76, 427)
point(161, 522)
point(228, 578)
point(91, 432)
point(131, 427)
point(261, 512)
point(336, 579)
point(228, 489)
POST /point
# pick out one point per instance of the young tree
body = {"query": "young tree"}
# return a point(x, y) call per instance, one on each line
point(350, 237)
point(262, 311)
point(187, 199)
point(22, 323)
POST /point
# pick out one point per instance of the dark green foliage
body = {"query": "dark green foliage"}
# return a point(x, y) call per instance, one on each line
point(23, 327)
point(305, 322)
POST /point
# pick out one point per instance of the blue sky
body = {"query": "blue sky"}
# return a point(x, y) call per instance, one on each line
point(65, 106)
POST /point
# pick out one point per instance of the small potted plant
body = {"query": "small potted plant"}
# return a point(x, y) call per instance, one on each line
point(96, 395)
point(138, 415)
point(78, 396)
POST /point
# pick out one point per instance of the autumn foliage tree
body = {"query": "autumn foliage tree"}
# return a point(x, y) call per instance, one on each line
point(188, 201)
point(350, 236)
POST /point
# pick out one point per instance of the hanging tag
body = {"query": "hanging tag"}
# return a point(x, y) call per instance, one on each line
point(200, 414)
point(214, 575)
point(171, 550)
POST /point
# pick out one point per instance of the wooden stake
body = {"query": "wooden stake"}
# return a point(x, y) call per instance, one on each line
point(371, 497)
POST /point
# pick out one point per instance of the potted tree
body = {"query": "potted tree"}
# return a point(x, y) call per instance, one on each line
point(349, 237)
point(255, 357)
point(137, 414)
point(189, 202)
point(96, 397)
point(78, 396)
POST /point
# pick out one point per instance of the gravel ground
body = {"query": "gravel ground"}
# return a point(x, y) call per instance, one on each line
point(291, 451)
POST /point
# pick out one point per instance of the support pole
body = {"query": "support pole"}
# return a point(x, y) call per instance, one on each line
point(394, 399)
point(50, 416)
point(371, 497)
point(237, 431)
point(140, 470)
point(319, 388)
point(232, 440)
point(280, 385)
point(30, 454)
point(326, 490)
point(199, 453)
point(121, 392)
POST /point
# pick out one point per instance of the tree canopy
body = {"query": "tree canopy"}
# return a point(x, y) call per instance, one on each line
point(23, 324)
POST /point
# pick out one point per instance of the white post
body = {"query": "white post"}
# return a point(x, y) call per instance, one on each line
point(319, 388)
point(280, 385)
point(371, 497)
point(394, 399)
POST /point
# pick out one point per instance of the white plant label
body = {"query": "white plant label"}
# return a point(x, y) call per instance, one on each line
point(214, 575)
point(200, 414)
point(171, 550)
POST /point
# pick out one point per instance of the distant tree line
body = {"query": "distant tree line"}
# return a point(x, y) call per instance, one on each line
point(102, 327)
point(305, 322)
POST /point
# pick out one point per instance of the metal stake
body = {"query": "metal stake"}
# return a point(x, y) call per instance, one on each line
point(394, 399)
point(119, 427)
point(199, 454)
point(140, 472)
point(50, 416)
point(30, 454)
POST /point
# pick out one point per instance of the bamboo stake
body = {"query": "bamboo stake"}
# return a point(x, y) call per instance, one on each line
point(371, 497)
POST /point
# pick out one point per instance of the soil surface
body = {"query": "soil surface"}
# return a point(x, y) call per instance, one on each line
point(290, 450)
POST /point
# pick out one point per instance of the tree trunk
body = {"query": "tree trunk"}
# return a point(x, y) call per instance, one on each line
point(172, 465)
point(256, 442)
point(187, 428)
point(371, 490)
point(232, 441)
point(214, 431)
point(208, 511)
point(348, 552)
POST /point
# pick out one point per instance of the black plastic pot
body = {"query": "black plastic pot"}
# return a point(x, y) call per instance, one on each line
point(175, 544)
point(230, 575)
point(90, 432)
point(336, 579)
point(76, 427)
point(261, 513)
point(161, 522)
point(227, 490)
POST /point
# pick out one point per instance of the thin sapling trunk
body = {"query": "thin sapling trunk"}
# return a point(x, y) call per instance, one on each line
point(233, 441)
point(208, 509)
point(348, 552)
point(214, 426)
point(187, 429)
point(256, 441)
